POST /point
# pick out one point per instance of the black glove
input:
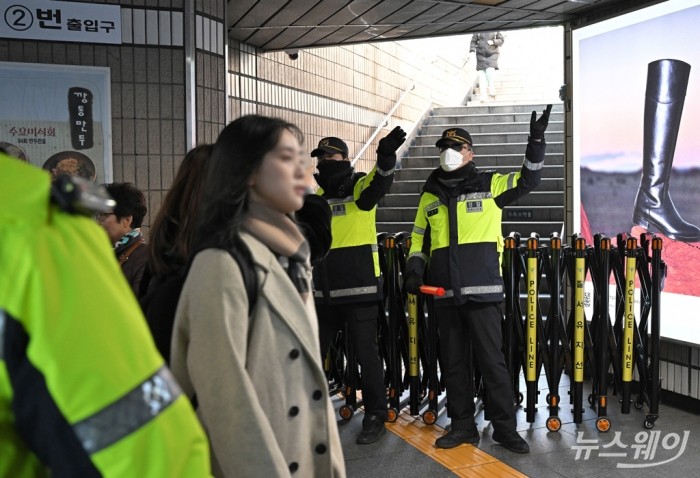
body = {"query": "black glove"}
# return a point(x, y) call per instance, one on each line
point(386, 149)
point(412, 283)
point(413, 274)
point(538, 126)
point(391, 142)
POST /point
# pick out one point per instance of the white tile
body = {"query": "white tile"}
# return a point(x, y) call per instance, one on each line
point(178, 29)
point(220, 38)
point(681, 380)
point(663, 374)
point(213, 43)
point(694, 376)
point(127, 26)
point(151, 27)
point(199, 31)
point(206, 34)
point(164, 34)
point(139, 26)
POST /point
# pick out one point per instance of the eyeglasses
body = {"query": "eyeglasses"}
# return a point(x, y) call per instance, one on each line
point(102, 217)
point(456, 146)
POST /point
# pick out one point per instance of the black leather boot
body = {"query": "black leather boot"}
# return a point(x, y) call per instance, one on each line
point(667, 81)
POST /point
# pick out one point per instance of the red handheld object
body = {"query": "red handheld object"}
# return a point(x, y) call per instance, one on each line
point(432, 290)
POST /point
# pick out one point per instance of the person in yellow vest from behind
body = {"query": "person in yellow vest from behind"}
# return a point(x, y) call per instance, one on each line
point(83, 391)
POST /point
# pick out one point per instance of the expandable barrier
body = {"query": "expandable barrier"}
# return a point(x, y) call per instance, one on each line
point(545, 328)
point(607, 352)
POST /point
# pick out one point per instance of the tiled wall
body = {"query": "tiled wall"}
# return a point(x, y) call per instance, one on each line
point(149, 88)
point(679, 368)
point(342, 91)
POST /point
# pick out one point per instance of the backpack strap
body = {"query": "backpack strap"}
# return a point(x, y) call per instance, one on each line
point(250, 280)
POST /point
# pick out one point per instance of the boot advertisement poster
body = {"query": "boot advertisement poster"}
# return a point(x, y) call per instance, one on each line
point(636, 110)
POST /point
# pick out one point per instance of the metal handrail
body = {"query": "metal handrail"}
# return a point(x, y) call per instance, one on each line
point(383, 123)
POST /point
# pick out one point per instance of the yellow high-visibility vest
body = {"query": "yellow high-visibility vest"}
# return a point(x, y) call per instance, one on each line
point(350, 272)
point(466, 240)
point(77, 363)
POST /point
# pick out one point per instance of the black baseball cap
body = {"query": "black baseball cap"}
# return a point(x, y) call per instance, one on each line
point(331, 145)
point(454, 135)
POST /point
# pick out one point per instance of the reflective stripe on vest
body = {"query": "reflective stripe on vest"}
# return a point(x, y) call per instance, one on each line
point(474, 290)
point(511, 181)
point(472, 196)
point(334, 294)
point(129, 413)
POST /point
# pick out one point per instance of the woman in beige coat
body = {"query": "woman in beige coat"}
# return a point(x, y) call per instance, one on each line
point(261, 393)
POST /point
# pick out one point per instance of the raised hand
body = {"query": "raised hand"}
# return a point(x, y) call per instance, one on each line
point(539, 126)
point(390, 143)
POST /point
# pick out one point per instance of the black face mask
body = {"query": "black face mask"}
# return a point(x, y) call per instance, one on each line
point(335, 177)
point(329, 167)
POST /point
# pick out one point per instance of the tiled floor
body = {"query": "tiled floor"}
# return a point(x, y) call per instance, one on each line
point(671, 448)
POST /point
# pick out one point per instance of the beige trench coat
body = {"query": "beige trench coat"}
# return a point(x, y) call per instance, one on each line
point(261, 391)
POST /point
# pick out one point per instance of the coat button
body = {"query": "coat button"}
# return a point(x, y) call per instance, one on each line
point(294, 354)
point(317, 395)
point(294, 411)
point(321, 449)
point(293, 466)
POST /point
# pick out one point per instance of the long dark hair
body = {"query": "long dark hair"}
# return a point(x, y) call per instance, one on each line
point(173, 230)
point(238, 153)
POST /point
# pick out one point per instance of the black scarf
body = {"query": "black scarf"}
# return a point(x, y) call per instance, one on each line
point(335, 177)
point(446, 184)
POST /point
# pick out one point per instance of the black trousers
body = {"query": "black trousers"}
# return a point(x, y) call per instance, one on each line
point(361, 321)
point(478, 324)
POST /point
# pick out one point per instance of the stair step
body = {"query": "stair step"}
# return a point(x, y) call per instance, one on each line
point(515, 127)
point(488, 148)
point(496, 110)
point(484, 161)
point(514, 214)
point(492, 135)
point(414, 173)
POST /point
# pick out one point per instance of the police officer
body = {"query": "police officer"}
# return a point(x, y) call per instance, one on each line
point(83, 391)
point(459, 215)
point(347, 282)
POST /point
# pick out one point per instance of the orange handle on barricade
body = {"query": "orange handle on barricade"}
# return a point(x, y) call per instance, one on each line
point(432, 290)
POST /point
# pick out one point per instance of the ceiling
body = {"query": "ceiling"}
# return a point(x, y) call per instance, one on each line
point(295, 24)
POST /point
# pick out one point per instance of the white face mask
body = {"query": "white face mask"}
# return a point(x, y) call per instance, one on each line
point(450, 159)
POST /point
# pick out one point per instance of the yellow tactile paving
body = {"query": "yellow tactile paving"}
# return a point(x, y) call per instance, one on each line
point(489, 470)
point(464, 460)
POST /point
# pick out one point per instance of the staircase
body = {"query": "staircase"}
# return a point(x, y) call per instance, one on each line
point(500, 137)
point(529, 78)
